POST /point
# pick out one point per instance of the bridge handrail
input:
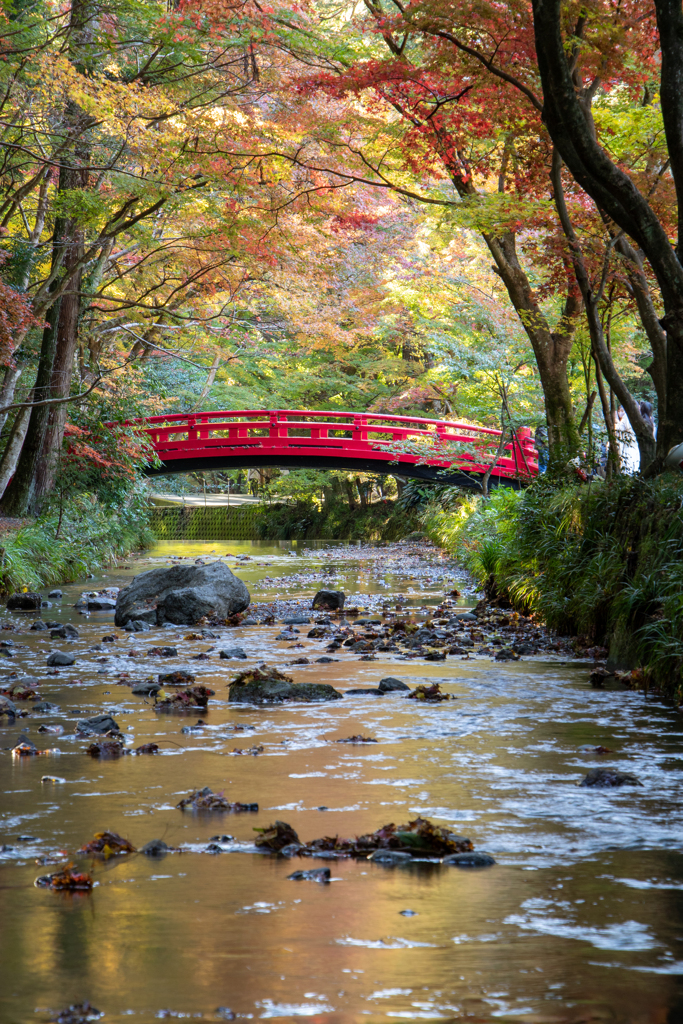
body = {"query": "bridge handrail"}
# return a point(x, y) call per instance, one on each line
point(275, 426)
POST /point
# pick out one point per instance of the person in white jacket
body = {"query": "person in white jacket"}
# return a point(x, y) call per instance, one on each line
point(629, 452)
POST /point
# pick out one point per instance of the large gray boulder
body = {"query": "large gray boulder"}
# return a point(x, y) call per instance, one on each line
point(182, 595)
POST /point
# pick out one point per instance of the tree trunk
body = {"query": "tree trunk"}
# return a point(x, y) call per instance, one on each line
point(551, 348)
point(12, 375)
point(10, 456)
point(19, 495)
point(591, 301)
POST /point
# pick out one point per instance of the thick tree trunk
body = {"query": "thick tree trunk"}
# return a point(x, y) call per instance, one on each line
point(551, 348)
point(613, 191)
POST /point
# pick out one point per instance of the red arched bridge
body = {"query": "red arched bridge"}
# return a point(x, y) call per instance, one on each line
point(455, 453)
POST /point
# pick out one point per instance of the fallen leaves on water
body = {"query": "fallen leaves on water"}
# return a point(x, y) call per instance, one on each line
point(356, 739)
point(108, 844)
point(193, 697)
point(431, 694)
point(66, 879)
point(206, 800)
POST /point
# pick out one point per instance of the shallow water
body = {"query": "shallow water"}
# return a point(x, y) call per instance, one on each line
point(580, 920)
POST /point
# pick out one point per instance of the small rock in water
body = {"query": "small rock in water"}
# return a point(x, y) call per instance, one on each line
point(329, 600)
point(65, 632)
point(188, 729)
point(507, 654)
point(277, 837)
point(390, 857)
point(357, 739)
point(155, 848)
point(181, 677)
point(232, 653)
point(473, 859)
point(225, 1013)
point(78, 1013)
point(28, 602)
point(146, 689)
point(137, 626)
point(389, 685)
point(316, 875)
point(60, 658)
point(408, 913)
point(609, 778)
point(39, 625)
point(365, 691)
point(296, 620)
point(101, 724)
point(52, 778)
point(325, 661)
point(55, 594)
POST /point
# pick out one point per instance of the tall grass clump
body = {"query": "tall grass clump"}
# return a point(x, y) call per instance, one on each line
point(68, 542)
point(602, 560)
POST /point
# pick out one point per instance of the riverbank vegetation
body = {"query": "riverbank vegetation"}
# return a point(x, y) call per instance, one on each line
point(66, 545)
point(603, 562)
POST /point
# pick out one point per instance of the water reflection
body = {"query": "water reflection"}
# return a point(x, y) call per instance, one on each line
point(579, 921)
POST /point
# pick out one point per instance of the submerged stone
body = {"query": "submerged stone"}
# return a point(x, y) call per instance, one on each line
point(473, 859)
point(609, 778)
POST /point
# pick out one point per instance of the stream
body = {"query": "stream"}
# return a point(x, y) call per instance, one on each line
point(580, 919)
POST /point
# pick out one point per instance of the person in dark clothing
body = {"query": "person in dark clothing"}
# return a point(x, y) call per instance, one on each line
point(646, 413)
point(541, 442)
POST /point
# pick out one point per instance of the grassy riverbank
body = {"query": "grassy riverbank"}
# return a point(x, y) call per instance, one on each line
point(60, 549)
point(604, 561)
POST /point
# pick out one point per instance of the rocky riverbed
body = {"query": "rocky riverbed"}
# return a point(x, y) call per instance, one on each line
point(502, 837)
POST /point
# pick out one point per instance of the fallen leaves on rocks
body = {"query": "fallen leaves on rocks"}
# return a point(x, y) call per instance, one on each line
point(108, 844)
point(206, 800)
point(193, 697)
point(419, 838)
point(430, 694)
point(106, 748)
point(66, 879)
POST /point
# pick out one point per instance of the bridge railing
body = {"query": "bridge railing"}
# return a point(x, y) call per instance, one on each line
point(363, 435)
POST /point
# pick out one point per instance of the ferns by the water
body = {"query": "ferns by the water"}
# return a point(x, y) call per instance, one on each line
point(601, 560)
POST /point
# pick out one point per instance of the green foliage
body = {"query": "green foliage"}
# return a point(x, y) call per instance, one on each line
point(336, 521)
point(90, 537)
point(605, 561)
